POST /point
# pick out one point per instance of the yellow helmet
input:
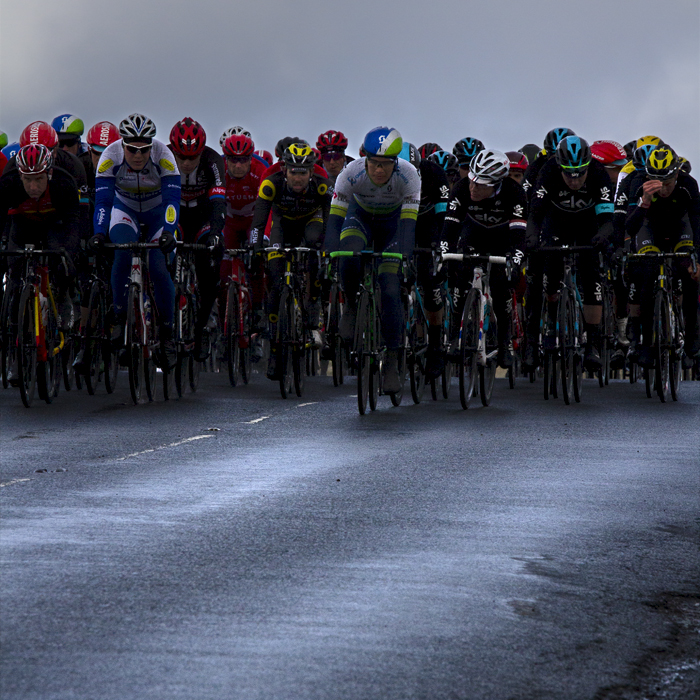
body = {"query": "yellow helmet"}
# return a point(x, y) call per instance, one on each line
point(663, 163)
point(655, 140)
point(299, 155)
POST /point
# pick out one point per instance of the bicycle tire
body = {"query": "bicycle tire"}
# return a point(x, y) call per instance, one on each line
point(26, 345)
point(300, 350)
point(334, 340)
point(362, 350)
point(676, 367)
point(93, 339)
point(565, 316)
point(549, 374)
point(468, 346)
point(149, 352)
point(134, 332)
point(8, 344)
point(246, 332)
point(377, 357)
point(233, 333)
point(662, 344)
point(417, 347)
point(487, 372)
point(285, 338)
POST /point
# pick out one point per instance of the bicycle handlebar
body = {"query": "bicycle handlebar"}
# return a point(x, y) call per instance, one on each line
point(137, 245)
point(352, 254)
point(495, 259)
point(30, 250)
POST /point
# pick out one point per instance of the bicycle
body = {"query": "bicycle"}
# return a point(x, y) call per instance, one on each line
point(140, 330)
point(101, 359)
point(293, 340)
point(185, 320)
point(516, 314)
point(562, 338)
point(238, 318)
point(417, 333)
point(39, 339)
point(608, 323)
point(8, 339)
point(335, 351)
point(668, 331)
point(368, 350)
point(478, 333)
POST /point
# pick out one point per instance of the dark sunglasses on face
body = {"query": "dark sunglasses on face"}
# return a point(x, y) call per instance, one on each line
point(385, 164)
point(238, 159)
point(68, 143)
point(333, 155)
point(137, 149)
point(187, 157)
point(97, 150)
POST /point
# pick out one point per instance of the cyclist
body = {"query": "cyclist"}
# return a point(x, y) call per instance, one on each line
point(447, 162)
point(39, 203)
point(265, 156)
point(464, 150)
point(296, 198)
point(551, 141)
point(98, 138)
point(69, 129)
point(434, 196)
point(612, 155)
point(202, 211)
point(332, 146)
point(486, 213)
point(427, 149)
point(666, 218)
point(244, 175)
point(518, 166)
point(138, 183)
point(572, 205)
point(375, 204)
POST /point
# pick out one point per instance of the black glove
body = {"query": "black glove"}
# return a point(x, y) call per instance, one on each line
point(532, 241)
point(600, 240)
point(167, 242)
point(217, 254)
point(96, 243)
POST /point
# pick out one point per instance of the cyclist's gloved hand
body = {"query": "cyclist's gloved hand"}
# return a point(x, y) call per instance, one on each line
point(217, 254)
point(617, 256)
point(167, 242)
point(96, 243)
point(600, 240)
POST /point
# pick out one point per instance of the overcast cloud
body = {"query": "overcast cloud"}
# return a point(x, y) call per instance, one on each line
point(505, 71)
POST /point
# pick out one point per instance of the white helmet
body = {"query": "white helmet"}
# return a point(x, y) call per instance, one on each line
point(489, 167)
point(136, 126)
point(233, 131)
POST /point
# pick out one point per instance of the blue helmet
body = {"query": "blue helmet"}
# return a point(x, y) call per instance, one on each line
point(11, 150)
point(641, 155)
point(446, 161)
point(383, 141)
point(553, 137)
point(410, 153)
point(465, 149)
point(573, 154)
point(68, 124)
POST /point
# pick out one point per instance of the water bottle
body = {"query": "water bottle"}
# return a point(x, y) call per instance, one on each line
point(44, 306)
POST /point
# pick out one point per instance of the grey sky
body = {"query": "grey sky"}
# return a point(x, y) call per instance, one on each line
point(505, 71)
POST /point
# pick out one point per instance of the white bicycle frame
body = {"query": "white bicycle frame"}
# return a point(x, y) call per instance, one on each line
point(484, 299)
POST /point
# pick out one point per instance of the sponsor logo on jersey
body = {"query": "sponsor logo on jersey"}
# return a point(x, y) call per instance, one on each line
point(105, 165)
point(444, 191)
point(170, 214)
point(322, 188)
point(518, 211)
point(167, 165)
point(605, 193)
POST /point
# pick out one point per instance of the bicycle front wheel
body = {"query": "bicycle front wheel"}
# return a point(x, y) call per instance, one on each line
point(26, 344)
point(362, 351)
point(233, 322)
point(134, 335)
point(662, 344)
point(487, 372)
point(468, 347)
point(565, 315)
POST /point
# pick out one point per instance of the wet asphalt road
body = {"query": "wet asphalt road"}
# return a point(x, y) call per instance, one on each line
point(301, 551)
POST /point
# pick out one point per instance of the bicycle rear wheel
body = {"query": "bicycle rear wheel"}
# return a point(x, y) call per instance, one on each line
point(417, 347)
point(285, 335)
point(92, 341)
point(246, 351)
point(26, 345)
point(468, 346)
point(334, 341)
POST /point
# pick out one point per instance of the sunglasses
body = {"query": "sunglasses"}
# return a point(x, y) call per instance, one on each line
point(97, 150)
point(187, 158)
point(332, 155)
point(385, 164)
point(238, 159)
point(138, 149)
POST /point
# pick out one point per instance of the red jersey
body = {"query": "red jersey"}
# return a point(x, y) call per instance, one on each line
point(240, 198)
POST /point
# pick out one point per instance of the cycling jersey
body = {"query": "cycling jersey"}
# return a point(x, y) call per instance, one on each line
point(274, 196)
point(241, 195)
point(202, 195)
point(157, 184)
point(532, 172)
point(402, 192)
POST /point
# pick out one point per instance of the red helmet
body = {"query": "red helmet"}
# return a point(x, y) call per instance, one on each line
point(266, 156)
point(187, 138)
point(518, 160)
point(101, 135)
point(318, 154)
point(238, 145)
point(332, 141)
point(39, 132)
point(609, 152)
point(33, 159)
